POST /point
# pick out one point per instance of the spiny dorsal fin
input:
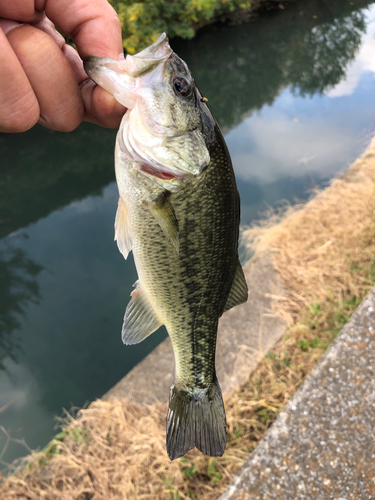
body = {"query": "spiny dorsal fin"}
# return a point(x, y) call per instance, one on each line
point(140, 319)
point(238, 292)
point(122, 229)
point(165, 216)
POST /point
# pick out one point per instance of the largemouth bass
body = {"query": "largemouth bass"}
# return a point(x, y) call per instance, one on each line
point(179, 212)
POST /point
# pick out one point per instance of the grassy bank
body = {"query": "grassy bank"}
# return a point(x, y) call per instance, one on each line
point(325, 253)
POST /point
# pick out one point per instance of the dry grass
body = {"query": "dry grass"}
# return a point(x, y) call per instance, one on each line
point(325, 252)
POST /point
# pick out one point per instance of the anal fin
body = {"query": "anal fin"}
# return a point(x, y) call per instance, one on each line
point(238, 293)
point(122, 229)
point(165, 216)
point(140, 319)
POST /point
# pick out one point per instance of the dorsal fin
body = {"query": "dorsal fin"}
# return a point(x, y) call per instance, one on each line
point(165, 216)
point(122, 229)
point(238, 292)
point(140, 319)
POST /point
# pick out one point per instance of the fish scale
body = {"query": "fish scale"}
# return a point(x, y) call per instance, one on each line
point(208, 239)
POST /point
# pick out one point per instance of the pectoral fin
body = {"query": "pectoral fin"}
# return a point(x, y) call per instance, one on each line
point(140, 319)
point(238, 292)
point(165, 216)
point(122, 229)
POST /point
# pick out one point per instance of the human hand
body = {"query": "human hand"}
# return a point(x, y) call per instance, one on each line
point(42, 79)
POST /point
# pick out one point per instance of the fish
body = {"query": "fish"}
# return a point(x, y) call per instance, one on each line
point(179, 213)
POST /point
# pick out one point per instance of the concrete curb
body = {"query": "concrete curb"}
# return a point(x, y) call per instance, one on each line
point(245, 333)
point(322, 446)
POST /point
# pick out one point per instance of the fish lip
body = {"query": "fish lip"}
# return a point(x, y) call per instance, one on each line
point(156, 48)
point(125, 78)
point(135, 65)
point(95, 66)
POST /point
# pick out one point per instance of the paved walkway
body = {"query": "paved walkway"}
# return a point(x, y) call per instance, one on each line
point(322, 446)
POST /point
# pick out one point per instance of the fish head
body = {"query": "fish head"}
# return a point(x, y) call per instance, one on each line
point(162, 130)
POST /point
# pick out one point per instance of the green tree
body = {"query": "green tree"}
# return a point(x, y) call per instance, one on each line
point(143, 21)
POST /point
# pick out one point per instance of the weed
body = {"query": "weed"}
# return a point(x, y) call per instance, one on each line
point(270, 355)
point(79, 435)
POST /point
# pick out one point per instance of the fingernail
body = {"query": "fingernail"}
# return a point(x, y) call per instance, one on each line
point(6, 25)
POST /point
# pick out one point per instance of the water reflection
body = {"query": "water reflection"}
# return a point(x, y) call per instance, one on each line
point(287, 139)
point(26, 422)
point(18, 286)
point(71, 340)
point(364, 61)
point(318, 60)
point(307, 47)
point(43, 170)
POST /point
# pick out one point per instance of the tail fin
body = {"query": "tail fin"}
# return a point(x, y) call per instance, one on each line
point(196, 420)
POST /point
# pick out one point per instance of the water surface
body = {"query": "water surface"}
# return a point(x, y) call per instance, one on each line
point(294, 94)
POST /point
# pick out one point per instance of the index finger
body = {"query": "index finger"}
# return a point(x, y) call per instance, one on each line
point(93, 24)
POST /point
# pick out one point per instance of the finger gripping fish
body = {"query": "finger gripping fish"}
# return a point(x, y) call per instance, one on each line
point(179, 213)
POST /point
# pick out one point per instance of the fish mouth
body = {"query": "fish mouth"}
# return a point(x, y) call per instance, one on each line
point(148, 59)
point(164, 175)
point(124, 78)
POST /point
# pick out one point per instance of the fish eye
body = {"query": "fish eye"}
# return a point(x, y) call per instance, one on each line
point(181, 86)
